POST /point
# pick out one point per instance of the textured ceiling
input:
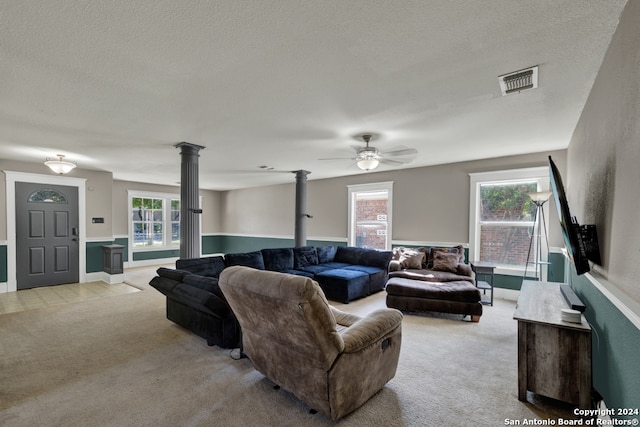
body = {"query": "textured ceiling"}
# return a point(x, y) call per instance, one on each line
point(114, 85)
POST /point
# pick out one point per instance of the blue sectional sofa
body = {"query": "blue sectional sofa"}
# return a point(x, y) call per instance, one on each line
point(195, 302)
point(344, 273)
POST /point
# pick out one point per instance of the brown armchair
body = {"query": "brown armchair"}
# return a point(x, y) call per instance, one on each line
point(331, 360)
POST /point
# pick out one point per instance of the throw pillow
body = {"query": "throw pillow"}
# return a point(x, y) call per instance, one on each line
point(325, 253)
point(304, 256)
point(248, 259)
point(443, 261)
point(278, 259)
point(411, 259)
point(397, 252)
point(425, 255)
point(459, 250)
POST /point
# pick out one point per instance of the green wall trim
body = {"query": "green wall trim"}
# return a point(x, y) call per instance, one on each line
point(615, 347)
point(147, 255)
point(124, 241)
point(506, 281)
point(3, 263)
point(212, 245)
point(95, 256)
point(236, 244)
point(556, 267)
point(319, 243)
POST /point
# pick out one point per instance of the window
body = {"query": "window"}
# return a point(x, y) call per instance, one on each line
point(154, 220)
point(370, 215)
point(47, 195)
point(502, 216)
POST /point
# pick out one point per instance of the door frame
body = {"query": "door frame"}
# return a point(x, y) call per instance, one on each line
point(10, 193)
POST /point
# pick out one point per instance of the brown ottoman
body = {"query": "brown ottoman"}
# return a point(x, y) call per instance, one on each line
point(458, 297)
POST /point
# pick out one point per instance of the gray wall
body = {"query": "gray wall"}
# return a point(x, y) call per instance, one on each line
point(107, 198)
point(430, 204)
point(98, 186)
point(603, 180)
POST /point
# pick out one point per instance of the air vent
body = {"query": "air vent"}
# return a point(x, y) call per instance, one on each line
point(519, 81)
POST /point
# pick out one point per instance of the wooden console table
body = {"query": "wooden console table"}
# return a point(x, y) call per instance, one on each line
point(554, 356)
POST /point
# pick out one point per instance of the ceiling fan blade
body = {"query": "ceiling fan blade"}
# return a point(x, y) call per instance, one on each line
point(403, 152)
point(394, 162)
point(245, 172)
point(338, 158)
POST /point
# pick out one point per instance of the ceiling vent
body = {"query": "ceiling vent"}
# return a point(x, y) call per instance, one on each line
point(519, 80)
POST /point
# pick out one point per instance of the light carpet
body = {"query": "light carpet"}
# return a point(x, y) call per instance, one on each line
point(118, 361)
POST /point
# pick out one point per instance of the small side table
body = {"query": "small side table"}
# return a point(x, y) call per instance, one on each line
point(113, 259)
point(486, 270)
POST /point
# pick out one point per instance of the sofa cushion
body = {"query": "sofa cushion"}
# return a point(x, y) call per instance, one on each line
point(454, 250)
point(348, 255)
point(411, 259)
point(304, 256)
point(325, 253)
point(199, 297)
point(377, 276)
point(343, 285)
point(431, 275)
point(278, 259)
point(445, 262)
point(164, 284)
point(375, 258)
point(315, 269)
point(450, 291)
point(205, 266)
point(209, 284)
point(364, 268)
point(464, 270)
point(172, 274)
point(300, 273)
point(333, 265)
point(247, 259)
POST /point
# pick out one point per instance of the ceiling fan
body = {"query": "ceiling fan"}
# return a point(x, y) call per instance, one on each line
point(368, 158)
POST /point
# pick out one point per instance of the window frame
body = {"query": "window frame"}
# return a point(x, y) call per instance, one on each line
point(166, 220)
point(539, 174)
point(376, 187)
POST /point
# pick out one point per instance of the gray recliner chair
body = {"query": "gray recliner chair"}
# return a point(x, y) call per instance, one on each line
point(331, 360)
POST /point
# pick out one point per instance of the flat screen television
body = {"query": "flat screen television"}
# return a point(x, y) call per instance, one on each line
point(581, 241)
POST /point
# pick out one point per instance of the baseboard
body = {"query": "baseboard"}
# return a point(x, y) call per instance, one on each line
point(101, 276)
point(150, 262)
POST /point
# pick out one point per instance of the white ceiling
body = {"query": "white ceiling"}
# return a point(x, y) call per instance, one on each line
point(114, 85)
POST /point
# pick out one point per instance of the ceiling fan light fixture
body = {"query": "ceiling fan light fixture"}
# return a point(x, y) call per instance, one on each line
point(60, 165)
point(368, 164)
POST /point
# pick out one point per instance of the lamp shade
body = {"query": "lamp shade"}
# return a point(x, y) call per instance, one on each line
point(60, 166)
point(368, 164)
point(541, 196)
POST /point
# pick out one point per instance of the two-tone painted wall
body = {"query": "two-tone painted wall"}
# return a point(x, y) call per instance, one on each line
point(602, 183)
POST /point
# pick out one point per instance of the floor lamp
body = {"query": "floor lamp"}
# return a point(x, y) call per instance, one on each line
point(539, 229)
